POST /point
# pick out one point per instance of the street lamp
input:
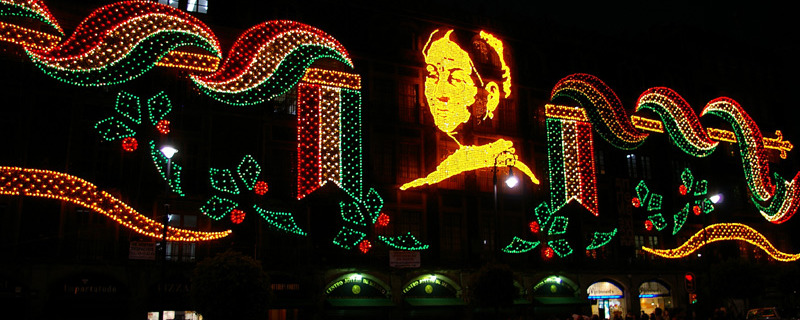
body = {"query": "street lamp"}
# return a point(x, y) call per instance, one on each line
point(168, 152)
point(511, 182)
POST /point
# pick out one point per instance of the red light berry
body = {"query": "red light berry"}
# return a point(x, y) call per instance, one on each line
point(383, 220)
point(682, 189)
point(534, 226)
point(261, 188)
point(163, 126)
point(648, 225)
point(364, 246)
point(130, 144)
point(636, 202)
point(696, 210)
point(237, 216)
point(548, 253)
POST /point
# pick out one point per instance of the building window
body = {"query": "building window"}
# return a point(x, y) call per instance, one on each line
point(508, 116)
point(646, 172)
point(199, 6)
point(451, 232)
point(171, 3)
point(409, 102)
point(409, 221)
point(645, 241)
point(631, 161)
point(408, 168)
point(600, 161)
point(182, 251)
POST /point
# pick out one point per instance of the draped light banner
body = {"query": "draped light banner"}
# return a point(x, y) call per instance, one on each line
point(119, 42)
point(598, 106)
point(777, 201)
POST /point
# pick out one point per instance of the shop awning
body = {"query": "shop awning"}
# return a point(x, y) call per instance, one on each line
point(435, 302)
point(559, 300)
point(350, 303)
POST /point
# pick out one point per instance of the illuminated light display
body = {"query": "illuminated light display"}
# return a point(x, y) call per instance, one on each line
point(469, 158)
point(404, 242)
point(329, 135)
point(130, 144)
point(647, 124)
point(680, 219)
point(216, 207)
point(26, 38)
point(122, 41)
point(364, 246)
point(283, 221)
point(16, 181)
point(570, 153)
point(450, 90)
point(658, 221)
point(189, 61)
point(600, 239)
point(751, 145)
point(679, 120)
point(267, 60)
point(163, 126)
point(724, 232)
point(329, 139)
point(383, 220)
point(161, 162)
point(534, 226)
point(352, 213)
point(348, 238)
point(332, 78)
point(603, 108)
point(222, 180)
point(237, 216)
point(518, 245)
point(784, 203)
point(261, 188)
point(579, 114)
point(548, 253)
point(561, 247)
point(33, 9)
point(648, 225)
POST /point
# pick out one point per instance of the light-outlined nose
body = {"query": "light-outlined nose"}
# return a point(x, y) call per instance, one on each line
point(443, 99)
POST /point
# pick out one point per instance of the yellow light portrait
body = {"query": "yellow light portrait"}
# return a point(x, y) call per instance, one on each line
point(456, 92)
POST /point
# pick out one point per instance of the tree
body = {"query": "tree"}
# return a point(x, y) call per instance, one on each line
point(230, 286)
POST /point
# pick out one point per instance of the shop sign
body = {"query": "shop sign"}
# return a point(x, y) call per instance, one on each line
point(404, 259)
point(142, 250)
point(604, 290)
point(652, 289)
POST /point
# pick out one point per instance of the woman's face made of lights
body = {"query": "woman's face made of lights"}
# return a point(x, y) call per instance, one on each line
point(449, 87)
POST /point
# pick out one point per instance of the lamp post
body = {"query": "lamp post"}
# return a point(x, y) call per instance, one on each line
point(168, 152)
point(511, 182)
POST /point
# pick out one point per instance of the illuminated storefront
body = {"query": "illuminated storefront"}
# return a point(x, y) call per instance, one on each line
point(608, 299)
point(654, 294)
point(558, 295)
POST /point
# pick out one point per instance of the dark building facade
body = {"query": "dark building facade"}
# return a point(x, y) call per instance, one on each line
point(359, 186)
